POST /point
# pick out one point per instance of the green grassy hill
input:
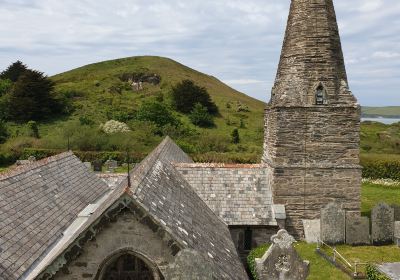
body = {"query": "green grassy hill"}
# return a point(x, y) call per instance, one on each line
point(388, 112)
point(97, 94)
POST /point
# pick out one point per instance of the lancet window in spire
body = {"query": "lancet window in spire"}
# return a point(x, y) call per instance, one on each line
point(320, 96)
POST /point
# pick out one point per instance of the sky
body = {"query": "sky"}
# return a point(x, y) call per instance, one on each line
point(237, 41)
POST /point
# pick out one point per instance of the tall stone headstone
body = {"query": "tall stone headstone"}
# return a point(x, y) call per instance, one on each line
point(357, 229)
point(97, 166)
point(333, 224)
point(382, 220)
point(281, 261)
point(312, 230)
point(397, 233)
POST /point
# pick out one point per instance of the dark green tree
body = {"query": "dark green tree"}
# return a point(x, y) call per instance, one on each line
point(157, 113)
point(14, 71)
point(186, 94)
point(201, 117)
point(3, 132)
point(5, 86)
point(235, 136)
point(32, 97)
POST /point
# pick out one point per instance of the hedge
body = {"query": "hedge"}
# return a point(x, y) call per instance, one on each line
point(253, 255)
point(89, 156)
point(374, 274)
point(378, 167)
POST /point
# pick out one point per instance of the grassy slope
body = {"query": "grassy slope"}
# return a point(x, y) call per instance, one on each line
point(378, 138)
point(96, 99)
point(390, 111)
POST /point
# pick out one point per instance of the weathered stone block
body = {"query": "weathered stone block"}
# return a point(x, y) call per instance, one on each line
point(333, 224)
point(357, 229)
point(382, 218)
point(397, 233)
point(312, 230)
point(281, 261)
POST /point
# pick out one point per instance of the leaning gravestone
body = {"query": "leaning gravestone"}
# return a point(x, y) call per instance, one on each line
point(281, 261)
point(397, 233)
point(382, 220)
point(312, 230)
point(357, 229)
point(333, 224)
point(97, 166)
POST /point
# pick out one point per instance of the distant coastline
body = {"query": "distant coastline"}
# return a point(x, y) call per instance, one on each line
point(380, 119)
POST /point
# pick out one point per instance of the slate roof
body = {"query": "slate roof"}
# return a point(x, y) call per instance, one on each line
point(239, 193)
point(172, 200)
point(37, 202)
point(158, 187)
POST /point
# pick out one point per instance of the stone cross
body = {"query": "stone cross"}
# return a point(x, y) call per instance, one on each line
point(281, 261)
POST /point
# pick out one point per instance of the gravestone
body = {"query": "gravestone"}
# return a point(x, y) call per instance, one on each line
point(281, 261)
point(357, 229)
point(382, 220)
point(97, 166)
point(333, 224)
point(397, 233)
point(396, 209)
point(111, 165)
point(312, 230)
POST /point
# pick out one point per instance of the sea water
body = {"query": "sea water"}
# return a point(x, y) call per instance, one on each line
point(381, 120)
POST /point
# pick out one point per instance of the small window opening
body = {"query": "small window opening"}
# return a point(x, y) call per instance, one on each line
point(320, 98)
point(248, 239)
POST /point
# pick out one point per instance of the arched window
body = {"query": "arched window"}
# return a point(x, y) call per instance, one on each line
point(320, 96)
point(127, 267)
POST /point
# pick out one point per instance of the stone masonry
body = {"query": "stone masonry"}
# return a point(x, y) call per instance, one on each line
point(312, 121)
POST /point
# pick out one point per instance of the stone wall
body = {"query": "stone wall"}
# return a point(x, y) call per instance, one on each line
point(314, 155)
point(125, 233)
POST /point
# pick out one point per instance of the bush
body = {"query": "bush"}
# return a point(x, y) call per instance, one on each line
point(200, 116)
point(253, 255)
point(235, 136)
point(3, 132)
point(112, 127)
point(376, 167)
point(157, 113)
point(186, 94)
point(33, 130)
point(374, 274)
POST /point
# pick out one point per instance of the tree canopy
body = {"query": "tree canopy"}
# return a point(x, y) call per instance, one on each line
point(186, 94)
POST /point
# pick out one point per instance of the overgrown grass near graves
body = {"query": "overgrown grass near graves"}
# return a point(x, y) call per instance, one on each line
point(322, 269)
point(372, 194)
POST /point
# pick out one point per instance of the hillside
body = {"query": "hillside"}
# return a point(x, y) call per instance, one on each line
point(100, 92)
point(388, 112)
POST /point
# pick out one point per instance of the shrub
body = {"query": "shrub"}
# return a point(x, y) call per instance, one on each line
point(157, 113)
point(112, 126)
point(253, 255)
point(3, 132)
point(200, 116)
point(33, 130)
point(377, 167)
point(85, 120)
point(374, 274)
point(235, 136)
point(186, 94)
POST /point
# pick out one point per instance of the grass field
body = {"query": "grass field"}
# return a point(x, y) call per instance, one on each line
point(372, 194)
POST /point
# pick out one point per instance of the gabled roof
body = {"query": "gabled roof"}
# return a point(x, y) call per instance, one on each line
point(162, 192)
point(239, 193)
point(37, 202)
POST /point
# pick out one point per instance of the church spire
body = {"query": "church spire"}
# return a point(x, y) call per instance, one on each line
point(311, 69)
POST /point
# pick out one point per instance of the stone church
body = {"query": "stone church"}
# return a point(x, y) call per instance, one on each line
point(171, 218)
